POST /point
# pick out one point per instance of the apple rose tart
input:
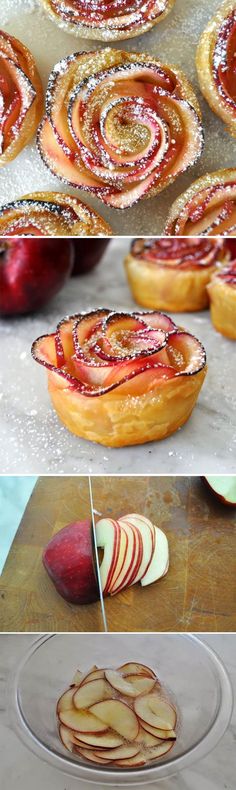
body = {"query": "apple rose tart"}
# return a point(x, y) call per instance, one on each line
point(121, 379)
point(21, 97)
point(216, 64)
point(51, 214)
point(222, 294)
point(172, 274)
point(107, 20)
point(119, 124)
point(207, 208)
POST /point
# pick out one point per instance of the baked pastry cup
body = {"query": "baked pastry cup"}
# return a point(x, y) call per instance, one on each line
point(172, 274)
point(120, 125)
point(207, 208)
point(21, 97)
point(51, 214)
point(107, 21)
point(215, 63)
point(122, 379)
point(222, 294)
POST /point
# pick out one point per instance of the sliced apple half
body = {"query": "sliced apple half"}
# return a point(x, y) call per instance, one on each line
point(82, 721)
point(155, 711)
point(133, 668)
point(224, 488)
point(106, 740)
point(66, 701)
point(118, 716)
point(160, 559)
point(89, 693)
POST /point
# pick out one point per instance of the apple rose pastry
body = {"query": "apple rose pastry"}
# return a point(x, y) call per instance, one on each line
point(120, 717)
point(21, 97)
point(107, 20)
point(216, 64)
point(207, 208)
point(51, 214)
point(119, 124)
point(172, 274)
point(121, 379)
point(222, 294)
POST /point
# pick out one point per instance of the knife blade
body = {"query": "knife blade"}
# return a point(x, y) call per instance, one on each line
point(96, 558)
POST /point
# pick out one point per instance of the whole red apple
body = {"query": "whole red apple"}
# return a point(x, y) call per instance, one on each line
point(88, 253)
point(69, 561)
point(32, 271)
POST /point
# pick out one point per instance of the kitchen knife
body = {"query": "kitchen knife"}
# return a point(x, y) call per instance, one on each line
point(96, 557)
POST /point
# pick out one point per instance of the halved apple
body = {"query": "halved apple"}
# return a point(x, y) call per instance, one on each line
point(117, 715)
point(155, 711)
point(82, 721)
point(89, 693)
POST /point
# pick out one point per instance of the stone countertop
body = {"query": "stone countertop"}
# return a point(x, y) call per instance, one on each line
point(33, 441)
point(18, 765)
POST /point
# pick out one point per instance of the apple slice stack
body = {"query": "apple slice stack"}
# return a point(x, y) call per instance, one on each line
point(119, 717)
point(134, 550)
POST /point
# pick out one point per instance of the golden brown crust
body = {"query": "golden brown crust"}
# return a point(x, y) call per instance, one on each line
point(207, 208)
point(51, 214)
point(135, 20)
point(222, 295)
point(215, 64)
point(22, 96)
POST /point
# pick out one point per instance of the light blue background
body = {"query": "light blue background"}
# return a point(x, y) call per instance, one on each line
point(14, 495)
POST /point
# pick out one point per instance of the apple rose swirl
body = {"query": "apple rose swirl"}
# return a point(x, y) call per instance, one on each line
point(108, 20)
point(21, 97)
point(51, 214)
point(222, 294)
point(207, 208)
point(121, 379)
point(172, 274)
point(119, 124)
point(216, 64)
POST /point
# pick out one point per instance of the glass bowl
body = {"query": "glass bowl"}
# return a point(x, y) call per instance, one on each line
point(186, 666)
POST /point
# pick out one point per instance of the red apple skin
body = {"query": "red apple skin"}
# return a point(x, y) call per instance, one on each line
point(32, 271)
point(231, 247)
point(220, 497)
point(88, 253)
point(69, 561)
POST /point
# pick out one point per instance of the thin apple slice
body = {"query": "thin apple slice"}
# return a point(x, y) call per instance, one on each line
point(147, 532)
point(89, 693)
point(77, 678)
point(107, 538)
point(132, 762)
point(66, 701)
point(89, 754)
point(120, 560)
point(160, 559)
point(159, 750)
point(121, 752)
point(120, 684)
point(96, 674)
point(141, 684)
point(130, 561)
point(118, 716)
point(82, 721)
point(155, 711)
point(146, 739)
point(67, 737)
point(106, 740)
point(161, 734)
point(132, 668)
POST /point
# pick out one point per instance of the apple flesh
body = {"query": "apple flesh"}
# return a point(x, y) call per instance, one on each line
point(69, 561)
point(88, 253)
point(107, 719)
point(32, 271)
point(223, 487)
